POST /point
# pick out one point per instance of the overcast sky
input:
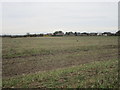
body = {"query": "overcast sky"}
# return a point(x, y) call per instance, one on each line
point(47, 17)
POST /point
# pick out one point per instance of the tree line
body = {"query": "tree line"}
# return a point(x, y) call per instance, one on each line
point(61, 33)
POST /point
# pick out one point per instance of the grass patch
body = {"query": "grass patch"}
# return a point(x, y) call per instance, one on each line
point(18, 47)
point(34, 52)
point(98, 74)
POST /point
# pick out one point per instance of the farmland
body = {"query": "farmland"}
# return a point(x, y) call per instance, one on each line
point(62, 62)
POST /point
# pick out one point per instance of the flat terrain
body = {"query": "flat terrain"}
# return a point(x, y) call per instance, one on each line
point(25, 59)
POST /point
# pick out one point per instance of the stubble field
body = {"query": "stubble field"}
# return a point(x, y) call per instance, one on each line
point(82, 61)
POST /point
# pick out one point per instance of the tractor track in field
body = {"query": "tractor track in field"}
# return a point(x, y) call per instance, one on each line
point(26, 65)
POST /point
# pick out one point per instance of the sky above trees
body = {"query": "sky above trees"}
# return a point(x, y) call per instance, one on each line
point(48, 17)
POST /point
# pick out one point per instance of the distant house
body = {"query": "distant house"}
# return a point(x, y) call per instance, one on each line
point(77, 33)
point(69, 33)
point(99, 34)
point(106, 34)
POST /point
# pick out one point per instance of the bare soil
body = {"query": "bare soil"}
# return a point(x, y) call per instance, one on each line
point(36, 63)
